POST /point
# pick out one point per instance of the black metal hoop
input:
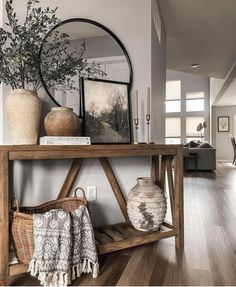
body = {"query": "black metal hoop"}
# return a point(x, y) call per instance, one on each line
point(98, 25)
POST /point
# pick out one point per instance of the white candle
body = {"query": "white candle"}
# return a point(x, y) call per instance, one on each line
point(148, 101)
point(136, 104)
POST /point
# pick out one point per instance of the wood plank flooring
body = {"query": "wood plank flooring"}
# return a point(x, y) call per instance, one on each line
point(209, 255)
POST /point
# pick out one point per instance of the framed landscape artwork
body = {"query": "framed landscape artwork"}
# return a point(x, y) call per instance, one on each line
point(106, 111)
point(223, 124)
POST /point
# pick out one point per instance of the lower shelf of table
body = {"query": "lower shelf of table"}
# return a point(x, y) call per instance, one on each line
point(116, 237)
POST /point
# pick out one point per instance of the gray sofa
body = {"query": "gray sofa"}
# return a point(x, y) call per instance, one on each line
point(206, 158)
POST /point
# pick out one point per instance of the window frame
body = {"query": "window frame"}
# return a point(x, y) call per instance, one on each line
point(173, 138)
point(203, 97)
point(174, 99)
point(168, 101)
point(201, 120)
point(185, 92)
point(180, 128)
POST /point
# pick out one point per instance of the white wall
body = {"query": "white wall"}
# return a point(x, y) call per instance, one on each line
point(215, 86)
point(158, 85)
point(191, 83)
point(40, 181)
point(221, 140)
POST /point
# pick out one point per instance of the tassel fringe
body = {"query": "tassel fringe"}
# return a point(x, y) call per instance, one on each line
point(63, 278)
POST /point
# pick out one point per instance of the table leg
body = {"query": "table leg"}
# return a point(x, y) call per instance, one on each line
point(185, 164)
point(70, 178)
point(179, 200)
point(115, 186)
point(196, 164)
point(4, 219)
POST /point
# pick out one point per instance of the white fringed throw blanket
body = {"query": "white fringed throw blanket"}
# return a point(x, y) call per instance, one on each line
point(64, 247)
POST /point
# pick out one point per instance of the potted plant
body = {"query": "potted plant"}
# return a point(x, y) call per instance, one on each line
point(20, 45)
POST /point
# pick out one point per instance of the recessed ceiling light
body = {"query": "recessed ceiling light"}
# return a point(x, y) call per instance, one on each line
point(194, 66)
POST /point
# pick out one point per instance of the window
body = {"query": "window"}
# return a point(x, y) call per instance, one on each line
point(191, 127)
point(186, 108)
point(173, 96)
point(195, 102)
point(173, 141)
point(173, 106)
point(194, 139)
point(173, 130)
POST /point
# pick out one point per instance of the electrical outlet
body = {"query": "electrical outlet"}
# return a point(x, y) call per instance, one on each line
point(91, 193)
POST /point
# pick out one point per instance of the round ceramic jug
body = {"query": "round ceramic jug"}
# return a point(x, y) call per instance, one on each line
point(62, 121)
point(23, 108)
point(146, 205)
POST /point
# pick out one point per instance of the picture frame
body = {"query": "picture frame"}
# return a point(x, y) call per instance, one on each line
point(223, 124)
point(106, 111)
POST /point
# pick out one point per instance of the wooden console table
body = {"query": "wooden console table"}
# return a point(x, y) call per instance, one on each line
point(110, 238)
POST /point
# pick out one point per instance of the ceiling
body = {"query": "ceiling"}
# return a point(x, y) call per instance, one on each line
point(80, 30)
point(200, 31)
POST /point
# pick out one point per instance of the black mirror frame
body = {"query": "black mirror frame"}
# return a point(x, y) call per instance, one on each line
point(84, 20)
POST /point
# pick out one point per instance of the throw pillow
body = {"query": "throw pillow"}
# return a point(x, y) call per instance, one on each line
point(193, 144)
point(204, 145)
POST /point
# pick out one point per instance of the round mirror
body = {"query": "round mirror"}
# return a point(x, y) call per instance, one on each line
point(81, 48)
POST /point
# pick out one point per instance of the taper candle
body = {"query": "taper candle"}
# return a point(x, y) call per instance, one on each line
point(148, 101)
point(136, 104)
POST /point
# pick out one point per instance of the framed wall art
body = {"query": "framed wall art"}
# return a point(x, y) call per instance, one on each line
point(223, 124)
point(106, 111)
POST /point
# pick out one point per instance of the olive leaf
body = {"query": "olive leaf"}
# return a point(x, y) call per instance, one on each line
point(20, 46)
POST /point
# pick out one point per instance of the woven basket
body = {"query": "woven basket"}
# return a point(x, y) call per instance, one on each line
point(22, 223)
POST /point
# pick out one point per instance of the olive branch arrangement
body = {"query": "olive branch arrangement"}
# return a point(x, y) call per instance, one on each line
point(20, 46)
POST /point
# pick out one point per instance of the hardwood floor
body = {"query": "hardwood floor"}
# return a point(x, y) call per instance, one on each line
point(209, 255)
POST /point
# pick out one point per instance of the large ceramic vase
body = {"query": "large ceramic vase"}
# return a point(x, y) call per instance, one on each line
point(23, 108)
point(146, 205)
point(62, 121)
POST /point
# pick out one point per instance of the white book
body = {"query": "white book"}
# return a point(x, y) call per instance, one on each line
point(65, 138)
point(50, 142)
point(65, 141)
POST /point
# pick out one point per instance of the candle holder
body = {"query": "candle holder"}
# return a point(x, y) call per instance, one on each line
point(136, 123)
point(148, 118)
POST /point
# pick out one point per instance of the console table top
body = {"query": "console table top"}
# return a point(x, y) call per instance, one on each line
point(30, 152)
point(88, 147)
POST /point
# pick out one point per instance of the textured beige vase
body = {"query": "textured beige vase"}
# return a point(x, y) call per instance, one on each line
point(23, 108)
point(62, 121)
point(146, 205)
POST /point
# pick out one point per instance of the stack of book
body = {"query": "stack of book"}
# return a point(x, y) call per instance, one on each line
point(47, 140)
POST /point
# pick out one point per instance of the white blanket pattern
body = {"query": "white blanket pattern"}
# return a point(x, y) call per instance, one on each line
point(64, 247)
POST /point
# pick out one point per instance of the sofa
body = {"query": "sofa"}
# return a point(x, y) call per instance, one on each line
point(206, 160)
